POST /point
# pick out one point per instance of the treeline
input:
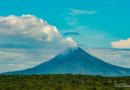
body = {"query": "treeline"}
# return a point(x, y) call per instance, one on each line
point(63, 82)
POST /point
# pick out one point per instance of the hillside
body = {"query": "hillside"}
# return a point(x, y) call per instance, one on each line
point(62, 82)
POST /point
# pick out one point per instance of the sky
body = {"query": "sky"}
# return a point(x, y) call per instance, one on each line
point(91, 23)
point(33, 31)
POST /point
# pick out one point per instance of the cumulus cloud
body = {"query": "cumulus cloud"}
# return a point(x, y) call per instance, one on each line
point(81, 12)
point(121, 43)
point(31, 31)
point(32, 41)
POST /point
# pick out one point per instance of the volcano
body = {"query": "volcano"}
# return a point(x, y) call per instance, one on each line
point(74, 61)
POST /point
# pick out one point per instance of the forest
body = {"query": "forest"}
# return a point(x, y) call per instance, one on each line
point(63, 82)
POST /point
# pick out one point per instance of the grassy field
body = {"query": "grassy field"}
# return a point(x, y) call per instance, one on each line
point(63, 82)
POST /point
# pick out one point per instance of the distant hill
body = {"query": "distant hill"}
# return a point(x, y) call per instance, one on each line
point(74, 61)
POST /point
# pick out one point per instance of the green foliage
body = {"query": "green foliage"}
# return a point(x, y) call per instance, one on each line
point(62, 82)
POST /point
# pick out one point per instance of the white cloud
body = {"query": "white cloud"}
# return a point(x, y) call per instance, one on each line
point(72, 21)
point(71, 18)
point(32, 31)
point(18, 59)
point(27, 31)
point(81, 12)
point(121, 43)
point(119, 57)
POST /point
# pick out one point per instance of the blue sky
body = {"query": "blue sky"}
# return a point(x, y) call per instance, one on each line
point(97, 22)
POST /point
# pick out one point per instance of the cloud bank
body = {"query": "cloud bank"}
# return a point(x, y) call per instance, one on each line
point(119, 57)
point(31, 31)
point(19, 59)
point(121, 43)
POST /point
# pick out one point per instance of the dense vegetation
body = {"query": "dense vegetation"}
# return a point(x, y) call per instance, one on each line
point(62, 82)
